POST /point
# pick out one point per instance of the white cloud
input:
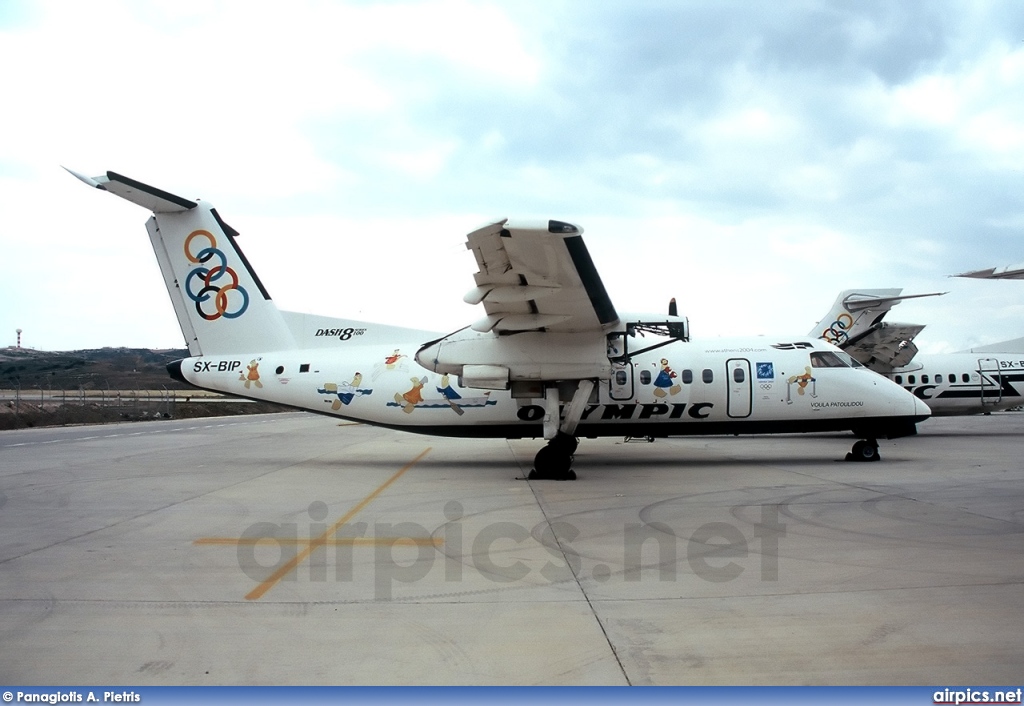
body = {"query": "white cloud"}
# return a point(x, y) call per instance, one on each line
point(979, 104)
point(750, 174)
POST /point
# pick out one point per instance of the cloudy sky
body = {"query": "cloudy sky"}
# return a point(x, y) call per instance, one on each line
point(750, 159)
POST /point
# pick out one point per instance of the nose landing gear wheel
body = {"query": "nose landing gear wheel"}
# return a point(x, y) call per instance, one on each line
point(865, 451)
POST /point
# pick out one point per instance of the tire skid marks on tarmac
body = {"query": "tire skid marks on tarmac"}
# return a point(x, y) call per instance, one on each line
point(908, 511)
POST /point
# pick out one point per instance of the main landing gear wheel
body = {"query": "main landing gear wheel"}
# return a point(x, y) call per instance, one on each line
point(865, 450)
point(554, 461)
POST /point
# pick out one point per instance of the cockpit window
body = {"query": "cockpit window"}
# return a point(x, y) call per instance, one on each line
point(827, 359)
point(850, 360)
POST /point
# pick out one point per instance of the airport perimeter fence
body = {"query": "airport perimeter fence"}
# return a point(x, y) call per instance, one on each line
point(43, 406)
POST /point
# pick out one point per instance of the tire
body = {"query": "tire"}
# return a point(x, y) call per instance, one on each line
point(552, 462)
point(865, 451)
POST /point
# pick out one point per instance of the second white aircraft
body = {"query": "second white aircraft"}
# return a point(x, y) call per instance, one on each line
point(977, 381)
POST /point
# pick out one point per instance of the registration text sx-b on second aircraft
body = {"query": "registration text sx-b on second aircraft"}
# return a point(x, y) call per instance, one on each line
point(550, 358)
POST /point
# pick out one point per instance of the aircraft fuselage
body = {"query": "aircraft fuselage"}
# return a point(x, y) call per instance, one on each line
point(741, 386)
point(965, 383)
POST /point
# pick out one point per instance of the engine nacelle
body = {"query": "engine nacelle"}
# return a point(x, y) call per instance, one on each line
point(486, 360)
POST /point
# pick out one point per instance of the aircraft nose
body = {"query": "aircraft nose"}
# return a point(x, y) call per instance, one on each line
point(921, 409)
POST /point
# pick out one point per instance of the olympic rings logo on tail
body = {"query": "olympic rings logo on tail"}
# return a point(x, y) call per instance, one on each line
point(836, 333)
point(208, 280)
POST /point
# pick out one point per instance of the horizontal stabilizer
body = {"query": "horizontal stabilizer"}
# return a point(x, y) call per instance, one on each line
point(858, 301)
point(149, 197)
point(1007, 272)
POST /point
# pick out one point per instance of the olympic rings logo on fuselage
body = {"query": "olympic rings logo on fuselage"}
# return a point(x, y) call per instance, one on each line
point(209, 280)
point(836, 333)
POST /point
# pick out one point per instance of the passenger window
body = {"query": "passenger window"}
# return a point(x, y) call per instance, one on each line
point(899, 379)
point(966, 378)
point(924, 379)
point(911, 379)
point(645, 377)
point(687, 377)
point(707, 375)
point(738, 375)
point(952, 377)
point(304, 368)
point(621, 378)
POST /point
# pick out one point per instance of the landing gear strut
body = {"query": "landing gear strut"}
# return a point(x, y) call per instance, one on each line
point(865, 450)
point(554, 461)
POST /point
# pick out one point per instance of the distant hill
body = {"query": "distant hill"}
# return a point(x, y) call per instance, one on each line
point(133, 373)
point(95, 369)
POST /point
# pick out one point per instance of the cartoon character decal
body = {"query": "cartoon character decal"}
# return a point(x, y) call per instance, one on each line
point(408, 400)
point(251, 375)
point(412, 399)
point(666, 381)
point(344, 392)
point(395, 361)
point(801, 381)
point(450, 395)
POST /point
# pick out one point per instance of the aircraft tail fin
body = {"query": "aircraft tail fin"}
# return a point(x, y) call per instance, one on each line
point(855, 325)
point(221, 304)
point(857, 311)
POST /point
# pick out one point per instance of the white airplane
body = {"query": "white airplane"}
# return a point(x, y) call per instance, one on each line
point(979, 380)
point(1007, 272)
point(550, 358)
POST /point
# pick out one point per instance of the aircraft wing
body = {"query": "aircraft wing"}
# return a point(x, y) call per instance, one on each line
point(1007, 272)
point(537, 276)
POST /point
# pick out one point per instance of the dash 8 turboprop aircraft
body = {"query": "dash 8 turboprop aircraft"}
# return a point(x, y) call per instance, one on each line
point(550, 358)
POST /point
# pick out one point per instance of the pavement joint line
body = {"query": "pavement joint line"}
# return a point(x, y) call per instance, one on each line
point(332, 542)
point(301, 556)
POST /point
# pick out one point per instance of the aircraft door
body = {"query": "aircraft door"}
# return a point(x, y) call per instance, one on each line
point(991, 381)
point(620, 387)
point(740, 389)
